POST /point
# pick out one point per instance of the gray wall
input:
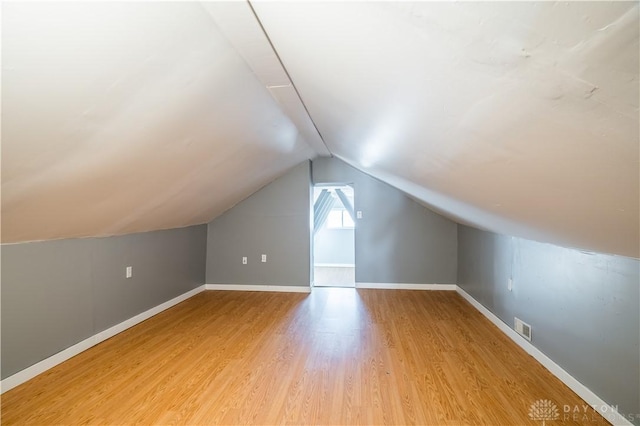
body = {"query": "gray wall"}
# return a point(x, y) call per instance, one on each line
point(335, 246)
point(57, 293)
point(397, 240)
point(274, 221)
point(583, 307)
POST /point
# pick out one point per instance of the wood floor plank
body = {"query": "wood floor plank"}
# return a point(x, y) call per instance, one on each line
point(336, 356)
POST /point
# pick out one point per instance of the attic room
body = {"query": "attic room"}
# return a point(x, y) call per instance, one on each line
point(164, 233)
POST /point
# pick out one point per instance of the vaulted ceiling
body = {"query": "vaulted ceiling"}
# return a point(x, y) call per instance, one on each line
point(516, 117)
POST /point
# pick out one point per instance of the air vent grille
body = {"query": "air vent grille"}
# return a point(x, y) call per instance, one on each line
point(523, 329)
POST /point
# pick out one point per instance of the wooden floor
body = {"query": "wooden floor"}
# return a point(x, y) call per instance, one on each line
point(337, 356)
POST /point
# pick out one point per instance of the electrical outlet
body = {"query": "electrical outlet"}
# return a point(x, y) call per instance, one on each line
point(359, 214)
point(129, 271)
point(244, 260)
point(510, 284)
point(264, 258)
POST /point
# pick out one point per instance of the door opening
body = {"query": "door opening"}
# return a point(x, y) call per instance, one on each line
point(334, 236)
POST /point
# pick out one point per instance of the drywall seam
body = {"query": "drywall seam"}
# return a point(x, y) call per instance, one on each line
point(403, 286)
point(30, 372)
point(248, 287)
point(607, 411)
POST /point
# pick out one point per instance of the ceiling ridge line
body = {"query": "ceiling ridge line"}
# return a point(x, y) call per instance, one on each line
point(284, 68)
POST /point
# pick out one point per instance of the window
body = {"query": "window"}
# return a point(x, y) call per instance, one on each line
point(339, 218)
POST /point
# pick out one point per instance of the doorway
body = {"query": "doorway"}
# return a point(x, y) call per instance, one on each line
point(334, 236)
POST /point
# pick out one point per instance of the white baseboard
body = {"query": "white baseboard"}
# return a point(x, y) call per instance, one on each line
point(44, 365)
point(605, 409)
point(402, 286)
point(251, 287)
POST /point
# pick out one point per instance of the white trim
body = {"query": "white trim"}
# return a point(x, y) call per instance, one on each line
point(606, 410)
point(334, 265)
point(403, 286)
point(251, 287)
point(30, 372)
point(341, 285)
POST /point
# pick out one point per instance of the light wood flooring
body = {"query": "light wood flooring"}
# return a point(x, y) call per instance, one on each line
point(336, 356)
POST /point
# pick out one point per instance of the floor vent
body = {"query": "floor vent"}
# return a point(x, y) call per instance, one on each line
point(523, 329)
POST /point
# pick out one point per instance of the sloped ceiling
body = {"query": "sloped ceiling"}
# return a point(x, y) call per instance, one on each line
point(125, 117)
point(517, 117)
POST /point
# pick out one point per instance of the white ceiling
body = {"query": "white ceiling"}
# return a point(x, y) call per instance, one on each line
point(124, 117)
point(517, 117)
